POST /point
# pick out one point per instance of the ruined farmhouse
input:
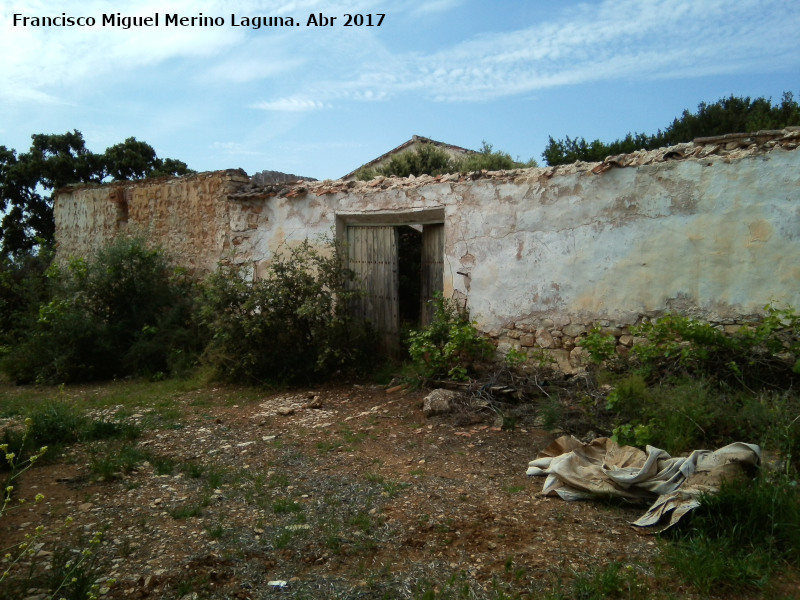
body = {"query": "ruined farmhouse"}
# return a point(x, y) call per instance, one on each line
point(709, 228)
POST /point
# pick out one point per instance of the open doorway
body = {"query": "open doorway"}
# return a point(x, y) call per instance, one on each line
point(399, 266)
point(409, 280)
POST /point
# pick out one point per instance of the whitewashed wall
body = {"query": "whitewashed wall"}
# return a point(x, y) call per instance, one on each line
point(539, 255)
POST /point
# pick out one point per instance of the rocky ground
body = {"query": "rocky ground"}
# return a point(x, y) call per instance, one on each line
point(334, 492)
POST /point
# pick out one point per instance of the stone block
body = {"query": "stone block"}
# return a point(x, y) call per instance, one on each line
point(561, 358)
point(544, 339)
point(578, 356)
point(574, 329)
point(440, 402)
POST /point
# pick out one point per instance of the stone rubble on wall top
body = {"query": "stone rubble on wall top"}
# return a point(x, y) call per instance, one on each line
point(725, 147)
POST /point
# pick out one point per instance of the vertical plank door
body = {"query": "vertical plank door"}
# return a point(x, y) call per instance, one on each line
point(432, 267)
point(372, 255)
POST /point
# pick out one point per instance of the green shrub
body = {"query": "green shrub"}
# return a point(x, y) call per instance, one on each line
point(708, 387)
point(450, 345)
point(600, 347)
point(290, 325)
point(110, 462)
point(56, 422)
point(429, 159)
point(23, 287)
point(489, 159)
point(124, 311)
point(764, 354)
point(692, 413)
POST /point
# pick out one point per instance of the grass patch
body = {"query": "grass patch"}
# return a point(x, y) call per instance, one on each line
point(112, 462)
point(611, 581)
point(216, 531)
point(286, 505)
point(740, 537)
point(189, 510)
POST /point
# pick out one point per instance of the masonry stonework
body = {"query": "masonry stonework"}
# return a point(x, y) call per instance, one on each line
point(708, 229)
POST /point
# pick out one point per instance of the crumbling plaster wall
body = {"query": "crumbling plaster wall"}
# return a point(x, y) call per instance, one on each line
point(189, 216)
point(538, 255)
point(721, 236)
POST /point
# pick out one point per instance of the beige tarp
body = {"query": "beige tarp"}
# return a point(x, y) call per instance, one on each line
point(578, 471)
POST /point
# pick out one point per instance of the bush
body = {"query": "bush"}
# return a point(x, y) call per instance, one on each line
point(690, 413)
point(291, 325)
point(450, 345)
point(124, 311)
point(766, 354)
point(23, 287)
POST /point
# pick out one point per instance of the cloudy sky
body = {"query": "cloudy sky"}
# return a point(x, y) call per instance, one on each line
point(320, 101)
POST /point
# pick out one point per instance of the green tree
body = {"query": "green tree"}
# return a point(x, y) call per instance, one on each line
point(489, 159)
point(28, 180)
point(727, 115)
point(429, 159)
point(133, 159)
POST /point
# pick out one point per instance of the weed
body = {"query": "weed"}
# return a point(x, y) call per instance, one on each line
point(56, 422)
point(193, 470)
point(163, 465)
point(362, 521)
point(449, 345)
point(601, 347)
point(552, 412)
point(189, 510)
point(392, 489)
point(375, 478)
point(325, 446)
point(285, 505)
point(611, 581)
point(104, 430)
point(282, 539)
point(276, 480)
point(109, 463)
point(353, 438)
point(216, 531)
point(215, 478)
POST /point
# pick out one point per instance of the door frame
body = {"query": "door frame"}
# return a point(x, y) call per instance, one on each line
point(427, 216)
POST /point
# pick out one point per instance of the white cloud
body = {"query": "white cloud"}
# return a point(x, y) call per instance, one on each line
point(235, 149)
point(309, 70)
point(604, 41)
point(292, 104)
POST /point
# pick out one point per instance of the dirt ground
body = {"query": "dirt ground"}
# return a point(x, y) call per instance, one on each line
point(335, 492)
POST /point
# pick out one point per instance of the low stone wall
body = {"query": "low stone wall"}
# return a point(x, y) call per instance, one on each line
point(558, 341)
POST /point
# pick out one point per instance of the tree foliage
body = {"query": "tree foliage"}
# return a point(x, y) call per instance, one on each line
point(429, 159)
point(124, 311)
point(28, 180)
point(727, 115)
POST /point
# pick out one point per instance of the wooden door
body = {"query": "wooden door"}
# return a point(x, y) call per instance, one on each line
point(432, 268)
point(372, 255)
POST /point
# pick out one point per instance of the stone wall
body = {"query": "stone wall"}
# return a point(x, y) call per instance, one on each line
point(190, 216)
point(709, 229)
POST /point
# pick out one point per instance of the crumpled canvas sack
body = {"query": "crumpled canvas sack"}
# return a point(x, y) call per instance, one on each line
point(577, 471)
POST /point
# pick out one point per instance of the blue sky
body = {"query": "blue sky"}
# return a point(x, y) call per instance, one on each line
point(320, 101)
